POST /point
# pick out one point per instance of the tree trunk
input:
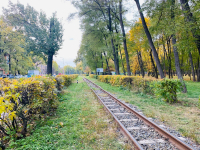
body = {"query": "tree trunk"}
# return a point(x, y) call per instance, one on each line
point(107, 63)
point(176, 57)
point(109, 25)
point(49, 64)
point(140, 63)
point(122, 62)
point(115, 58)
point(155, 54)
point(124, 38)
point(154, 67)
point(177, 65)
point(192, 66)
point(165, 55)
point(101, 61)
point(169, 57)
point(9, 64)
point(164, 64)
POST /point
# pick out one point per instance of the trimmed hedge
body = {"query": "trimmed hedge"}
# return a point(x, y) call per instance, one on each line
point(137, 83)
point(93, 76)
point(26, 100)
point(166, 88)
point(64, 80)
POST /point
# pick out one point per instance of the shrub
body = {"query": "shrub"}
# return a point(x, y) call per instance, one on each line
point(64, 80)
point(24, 101)
point(59, 83)
point(167, 89)
point(93, 76)
point(136, 83)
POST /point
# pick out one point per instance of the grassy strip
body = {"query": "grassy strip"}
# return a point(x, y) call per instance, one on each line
point(183, 118)
point(191, 98)
point(80, 123)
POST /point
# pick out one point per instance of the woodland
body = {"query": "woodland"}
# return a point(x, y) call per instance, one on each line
point(163, 42)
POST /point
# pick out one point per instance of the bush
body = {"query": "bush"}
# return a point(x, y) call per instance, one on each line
point(136, 83)
point(24, 101)
point(167, 89)
point(64, 80)
point(93, 76)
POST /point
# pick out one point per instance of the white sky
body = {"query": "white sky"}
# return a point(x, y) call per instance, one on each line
point(72, 33)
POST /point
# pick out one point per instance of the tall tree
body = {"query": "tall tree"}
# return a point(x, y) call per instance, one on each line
point(124, 38)
point(43, 35)
point(176, 56)
point(155, 54)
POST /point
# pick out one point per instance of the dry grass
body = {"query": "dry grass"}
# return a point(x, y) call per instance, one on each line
point(102, 124)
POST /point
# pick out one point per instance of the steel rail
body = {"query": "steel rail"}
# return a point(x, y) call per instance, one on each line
point(173, 139)
point(123, 128)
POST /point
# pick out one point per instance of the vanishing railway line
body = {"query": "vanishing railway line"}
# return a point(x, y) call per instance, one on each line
point(144, 133)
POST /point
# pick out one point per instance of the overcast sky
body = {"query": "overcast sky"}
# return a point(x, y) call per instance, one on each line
point(72, 33)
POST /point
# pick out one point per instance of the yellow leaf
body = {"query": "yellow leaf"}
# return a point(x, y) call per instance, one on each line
point(61, 124)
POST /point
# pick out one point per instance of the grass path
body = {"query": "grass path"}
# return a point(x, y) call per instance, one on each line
point(183, 118)
point(80, 123)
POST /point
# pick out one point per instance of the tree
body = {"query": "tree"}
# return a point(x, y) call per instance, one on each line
point(155, 54)
point(12, 43)
point(100, 13)
point(43, 35)
point(124, 38)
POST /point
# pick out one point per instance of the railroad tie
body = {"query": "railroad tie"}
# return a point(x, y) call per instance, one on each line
point(152, 141)
point(122, 114)
point(114, 109)
point(107, 103)
point(128, 119)
point(110, 105)
point(136, 128)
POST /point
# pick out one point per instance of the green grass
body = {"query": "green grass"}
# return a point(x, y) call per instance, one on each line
point(191, 98)
point(79, 123)
point(182, 116)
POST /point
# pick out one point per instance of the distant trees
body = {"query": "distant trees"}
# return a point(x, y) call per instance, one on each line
point(165, 43)
point(12, 43)
point(101, 21)
point(43, 36)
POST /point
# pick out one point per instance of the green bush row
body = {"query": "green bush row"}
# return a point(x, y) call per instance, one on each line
point(166, 88)
point(64, 80)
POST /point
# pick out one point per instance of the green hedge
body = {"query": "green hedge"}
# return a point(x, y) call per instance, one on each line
point(166, 88)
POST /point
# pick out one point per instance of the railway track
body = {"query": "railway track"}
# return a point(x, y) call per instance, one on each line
point(144, 133)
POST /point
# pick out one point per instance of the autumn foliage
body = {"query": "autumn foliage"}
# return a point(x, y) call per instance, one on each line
point(24, 101)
